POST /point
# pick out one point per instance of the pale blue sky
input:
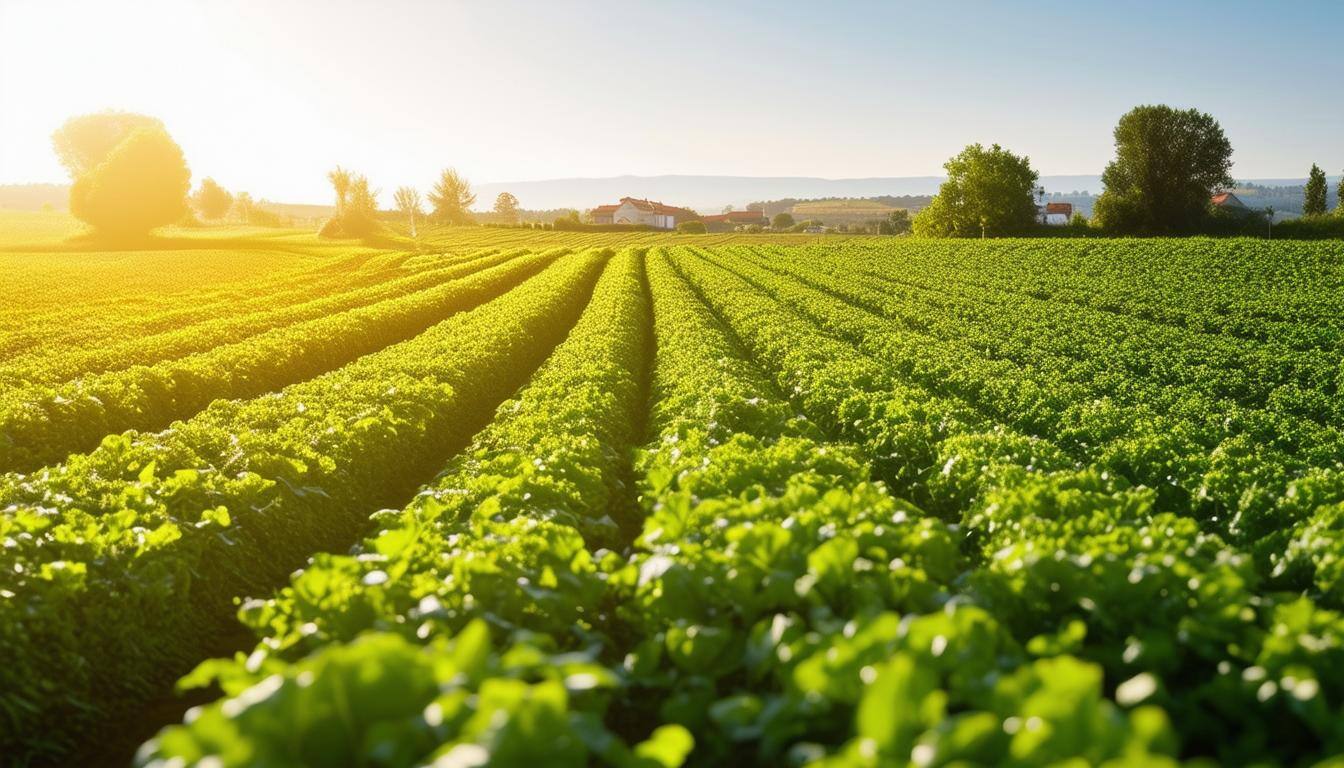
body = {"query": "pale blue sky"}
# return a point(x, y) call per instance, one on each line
point(266, 96)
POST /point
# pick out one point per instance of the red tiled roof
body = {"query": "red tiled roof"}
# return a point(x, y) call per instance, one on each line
point(606, 209)
point(652, 207)
point(1225, 198)
point(1064, 208)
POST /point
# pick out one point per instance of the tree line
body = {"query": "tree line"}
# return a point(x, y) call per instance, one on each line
point(130, 177)
point(1168, 164)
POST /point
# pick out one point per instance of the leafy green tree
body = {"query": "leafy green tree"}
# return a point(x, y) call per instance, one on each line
point(506, 205)
point(141, 184)
point(897, 223)
point(407, 200)
point(1339, 197)
point(569, 220)
point(987, 192)
point(452, 198)
point(782, 220)
point(1167, 164)
point(692, 228)
point(1313, 203)
point(86, 140)
point(212, 200)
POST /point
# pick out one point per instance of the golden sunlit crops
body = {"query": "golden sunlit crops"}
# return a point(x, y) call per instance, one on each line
point(644, 499)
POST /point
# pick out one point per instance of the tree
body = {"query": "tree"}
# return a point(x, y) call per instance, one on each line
point(692, 227)
point(898, 221)
point(569, 220)
point(1167, 164)
point(141, 184)
point(988, 191)
point(408, 202)
point(361, 207)
point(212, 200)
point(451, 198)
point(86, 140)
point(340, 181)
point(243, 206)
point(1313, 203)
point(506, 205)
point(1339, 197)
point(727, 209)
point(782, 220)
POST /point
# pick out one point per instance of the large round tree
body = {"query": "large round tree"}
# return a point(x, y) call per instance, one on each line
point(84, 141)
point(987, 192)
point(141, 184)
point(1168, 162)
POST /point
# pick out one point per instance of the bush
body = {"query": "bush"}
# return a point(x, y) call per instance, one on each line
point(331, 229)
point(692, 228)
point(1311, 228)
point(142, 185)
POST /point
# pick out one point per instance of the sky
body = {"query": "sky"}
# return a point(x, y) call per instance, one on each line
point(268, 95)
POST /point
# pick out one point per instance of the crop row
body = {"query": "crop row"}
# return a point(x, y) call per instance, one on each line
point(1249, 372)
point(113, 349)
point(100, 315)
point(121, 564)
point(1210, 457)
point(1287, 292)
point(757, 617)
point(43, 424)
point(1073, 558)
point(501, 539)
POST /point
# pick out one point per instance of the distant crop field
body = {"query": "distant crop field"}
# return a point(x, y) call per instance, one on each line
point(845, 207)
point(653, 499)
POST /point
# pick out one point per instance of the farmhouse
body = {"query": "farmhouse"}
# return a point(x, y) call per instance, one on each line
point(723, 222)
point(632, 210)
point(1229, 202)
point(1056, 214)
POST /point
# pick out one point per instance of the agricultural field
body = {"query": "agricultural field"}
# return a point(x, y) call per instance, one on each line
point(517, 497)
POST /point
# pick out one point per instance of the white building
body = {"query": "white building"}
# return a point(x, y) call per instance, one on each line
point(1056, 214)
point(632, 210)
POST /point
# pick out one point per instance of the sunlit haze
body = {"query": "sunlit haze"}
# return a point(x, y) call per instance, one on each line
point(267, 96)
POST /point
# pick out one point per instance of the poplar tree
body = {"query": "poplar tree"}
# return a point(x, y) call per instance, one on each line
point(1314, 202)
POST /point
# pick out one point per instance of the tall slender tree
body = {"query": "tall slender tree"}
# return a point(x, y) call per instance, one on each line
point(1339, 197)
point(408, 202)
point(1313, 203)
point(341, 180)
